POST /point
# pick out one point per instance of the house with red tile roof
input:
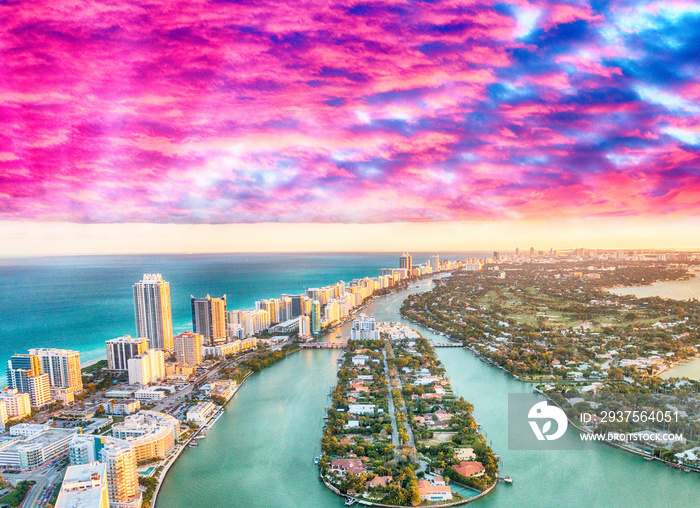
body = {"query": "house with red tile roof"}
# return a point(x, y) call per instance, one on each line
point(470, 468)
point(378, 481)
point(348, 466)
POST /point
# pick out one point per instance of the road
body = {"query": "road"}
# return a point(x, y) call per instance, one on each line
point(392, 411)
point(43, 479)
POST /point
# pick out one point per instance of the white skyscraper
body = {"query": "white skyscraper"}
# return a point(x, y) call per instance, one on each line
point(152, 310)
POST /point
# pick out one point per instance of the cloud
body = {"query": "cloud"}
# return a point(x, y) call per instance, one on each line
point(302, 111)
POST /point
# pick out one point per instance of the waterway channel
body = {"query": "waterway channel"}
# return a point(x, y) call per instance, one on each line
point(260, 453)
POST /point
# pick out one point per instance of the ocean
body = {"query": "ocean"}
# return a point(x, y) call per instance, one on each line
point(80, 302)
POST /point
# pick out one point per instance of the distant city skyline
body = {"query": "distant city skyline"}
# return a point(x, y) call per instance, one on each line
point(473, 128)
point(45, 239)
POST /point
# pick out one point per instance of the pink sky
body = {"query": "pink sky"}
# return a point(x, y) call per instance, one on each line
point(298, 113)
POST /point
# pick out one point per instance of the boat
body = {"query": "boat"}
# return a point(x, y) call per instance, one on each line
point(648, 458)
point(508, 479)
point(200, 436)
point(317, 460)
point(193, 444)
point(686, 469)
point(350, 501)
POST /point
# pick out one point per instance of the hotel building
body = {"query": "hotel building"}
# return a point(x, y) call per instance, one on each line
point(152, 311)
point(188, 348)
point(147, 367)
point(24, 373)
point(62, 366)
point(121, 349)
point(151, 434)
point(209, 319)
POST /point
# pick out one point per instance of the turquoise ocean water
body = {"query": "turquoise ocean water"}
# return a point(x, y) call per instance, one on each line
point(80, 302)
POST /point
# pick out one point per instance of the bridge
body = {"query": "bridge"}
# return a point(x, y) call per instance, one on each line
point(324, 345)
point(447, 344)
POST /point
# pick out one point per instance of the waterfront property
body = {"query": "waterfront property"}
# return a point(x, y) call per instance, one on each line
point(390, 407)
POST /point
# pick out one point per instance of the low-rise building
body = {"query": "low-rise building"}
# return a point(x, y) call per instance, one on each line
point(27, 430)
point(121, 407)
point(431, 492)
point(348, 466)
point(228, 348)
point(201, 412)
point(470, 468)
point(361, 409)
point(33, 452)
point(149, 394)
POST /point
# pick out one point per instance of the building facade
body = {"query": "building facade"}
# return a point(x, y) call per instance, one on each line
point(147, 367)
point(152, 311)
point(209, 319)
point(62, 366)
point(121, 349)
point(188, 348)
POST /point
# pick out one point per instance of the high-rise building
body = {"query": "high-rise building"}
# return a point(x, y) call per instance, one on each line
point(406, 262)
point(62, 366)
point(146, 367)
point(297, 305)
point(24, 373)
point(532, 251)
point(119, 458)
point(188, 348)
point(84, 485)
point(209, 319)
point(17, 404)
point(152, 310)
point(304, 326)
point(3, 415)
point(435, 262)
point(315, 316)
point(119, 351)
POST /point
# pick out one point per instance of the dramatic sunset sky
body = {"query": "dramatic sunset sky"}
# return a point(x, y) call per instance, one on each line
point(231, 125)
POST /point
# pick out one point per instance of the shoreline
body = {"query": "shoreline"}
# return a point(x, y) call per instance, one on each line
point(574, 424)
point(399, 406)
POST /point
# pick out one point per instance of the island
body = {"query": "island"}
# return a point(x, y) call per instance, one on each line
point(396, 434)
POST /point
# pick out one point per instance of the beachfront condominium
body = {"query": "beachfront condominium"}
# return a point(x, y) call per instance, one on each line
point(434, 262)
point(405, 262)
point(209, 319)
point(147, 367)
point(62, 366)
point(152, 310)
point(84, 485)
point(119, 351)
point(119, 457)
point(24, 373)
point(188, 348)
point(315, 316)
